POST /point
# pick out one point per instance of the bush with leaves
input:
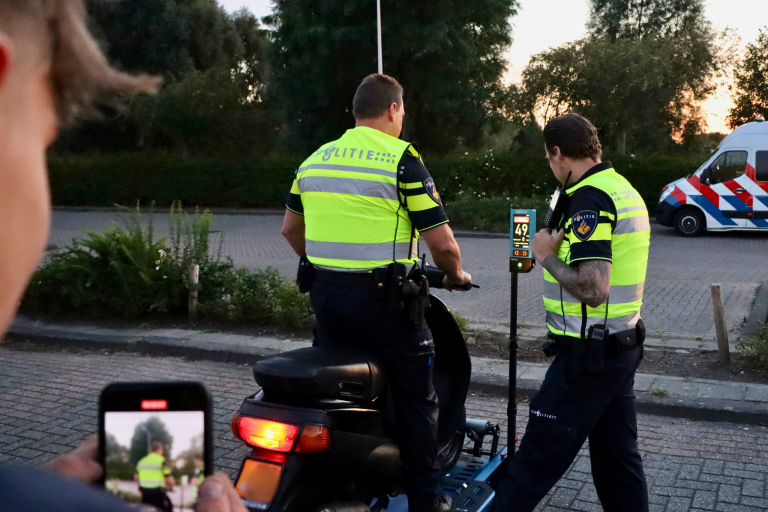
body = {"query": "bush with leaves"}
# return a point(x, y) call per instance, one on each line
point(757, 347)
point(127, 272)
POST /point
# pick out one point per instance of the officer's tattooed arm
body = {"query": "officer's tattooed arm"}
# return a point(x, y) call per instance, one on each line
point(589, 282)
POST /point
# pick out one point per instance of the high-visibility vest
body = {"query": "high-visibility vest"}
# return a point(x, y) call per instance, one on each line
point(630, 240)
point(352, 208)
point(152, 471)
point(200, 474)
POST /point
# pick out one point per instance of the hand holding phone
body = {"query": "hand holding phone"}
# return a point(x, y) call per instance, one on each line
point(155, 442)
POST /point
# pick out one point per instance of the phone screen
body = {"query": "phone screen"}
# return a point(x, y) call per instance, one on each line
point(154, 449)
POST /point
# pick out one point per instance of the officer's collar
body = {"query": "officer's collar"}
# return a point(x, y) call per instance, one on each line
point(602, 166)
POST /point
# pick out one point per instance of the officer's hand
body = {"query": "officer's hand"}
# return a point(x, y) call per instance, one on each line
point(544, 244)
point(217, 494)
point(80, 463)
point(460, 284)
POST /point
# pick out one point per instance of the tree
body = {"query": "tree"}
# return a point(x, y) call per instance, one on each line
point(634, 77)
point(751, 84)
point(635, 19)
point(118, 465)
point(448, 55)
point(166, 37)
point(145, 434)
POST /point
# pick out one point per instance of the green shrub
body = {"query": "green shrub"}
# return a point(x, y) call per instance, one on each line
point(125, 271)
point(105, 180)
point(492, 213)
point(757, 347)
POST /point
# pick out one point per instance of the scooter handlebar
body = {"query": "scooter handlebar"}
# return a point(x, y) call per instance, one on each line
point(435, 278)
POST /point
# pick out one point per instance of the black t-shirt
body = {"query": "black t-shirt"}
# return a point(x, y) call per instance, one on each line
point(588, 209)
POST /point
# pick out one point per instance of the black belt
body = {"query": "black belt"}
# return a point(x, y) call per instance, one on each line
point(350, 279)
point(618, 343)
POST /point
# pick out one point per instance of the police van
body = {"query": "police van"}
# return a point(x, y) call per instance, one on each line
point(728, 192)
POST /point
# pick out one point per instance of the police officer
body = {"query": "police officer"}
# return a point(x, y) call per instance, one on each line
point(153, 475)
point(594, 272)
point(356, 210)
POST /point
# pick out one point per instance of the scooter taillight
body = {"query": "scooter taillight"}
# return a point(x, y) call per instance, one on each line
point(314, 439)
point(267, 434)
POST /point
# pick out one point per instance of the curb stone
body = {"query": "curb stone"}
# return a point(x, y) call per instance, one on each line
point(698, 399)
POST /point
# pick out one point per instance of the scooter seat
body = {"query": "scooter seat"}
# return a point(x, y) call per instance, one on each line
point(323, 373)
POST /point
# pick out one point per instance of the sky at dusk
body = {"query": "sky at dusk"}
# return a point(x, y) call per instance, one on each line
point(542, 24)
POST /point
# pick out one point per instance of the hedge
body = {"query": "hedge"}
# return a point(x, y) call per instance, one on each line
point(106, 180)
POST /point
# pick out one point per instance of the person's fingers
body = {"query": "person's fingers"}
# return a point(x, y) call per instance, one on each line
point(217, 494)
point(559, 236)
point(80, 463)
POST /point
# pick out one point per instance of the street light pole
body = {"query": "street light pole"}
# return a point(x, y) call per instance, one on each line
point(378, 23)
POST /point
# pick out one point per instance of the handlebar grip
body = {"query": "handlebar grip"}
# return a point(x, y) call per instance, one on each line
point(435, 277)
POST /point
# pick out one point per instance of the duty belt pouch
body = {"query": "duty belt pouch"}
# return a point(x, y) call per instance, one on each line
point(640, 328)
point(306, 275)
point(380, 283)
point(597, 341)
point(396, 274)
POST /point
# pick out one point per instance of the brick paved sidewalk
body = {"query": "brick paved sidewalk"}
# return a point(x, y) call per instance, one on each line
point(48, 404)
point(677, 297)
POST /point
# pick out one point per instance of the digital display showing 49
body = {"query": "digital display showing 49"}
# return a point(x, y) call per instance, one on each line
point(522, 222)
point(521, 236)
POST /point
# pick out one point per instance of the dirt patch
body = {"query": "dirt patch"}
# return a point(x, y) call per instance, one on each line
point(676, 363)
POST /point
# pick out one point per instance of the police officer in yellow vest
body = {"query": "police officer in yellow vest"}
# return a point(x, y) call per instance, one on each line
point(153, 475)
point(356, 210)
point(594, 273)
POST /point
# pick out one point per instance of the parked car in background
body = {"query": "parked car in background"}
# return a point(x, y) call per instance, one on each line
point(728, 192)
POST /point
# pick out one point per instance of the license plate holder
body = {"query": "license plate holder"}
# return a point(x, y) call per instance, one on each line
point(258, 482)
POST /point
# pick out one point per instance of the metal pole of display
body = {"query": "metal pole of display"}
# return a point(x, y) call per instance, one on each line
point(378, 23)
point(512, 405)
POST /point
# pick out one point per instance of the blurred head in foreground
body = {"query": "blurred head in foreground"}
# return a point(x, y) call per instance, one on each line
point(51, 72)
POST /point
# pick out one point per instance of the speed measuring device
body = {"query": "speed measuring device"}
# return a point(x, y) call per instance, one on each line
point(522, 227)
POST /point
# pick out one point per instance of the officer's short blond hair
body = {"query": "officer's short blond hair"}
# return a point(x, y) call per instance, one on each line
point(55, 30)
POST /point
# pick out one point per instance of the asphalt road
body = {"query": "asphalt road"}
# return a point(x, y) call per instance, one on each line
point(677, 297)
point(48, 404)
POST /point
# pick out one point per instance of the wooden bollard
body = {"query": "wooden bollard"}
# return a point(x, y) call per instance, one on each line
point(722, 330)
point(194, 280)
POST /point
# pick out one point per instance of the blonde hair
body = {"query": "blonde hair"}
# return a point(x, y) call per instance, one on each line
point(80, 73)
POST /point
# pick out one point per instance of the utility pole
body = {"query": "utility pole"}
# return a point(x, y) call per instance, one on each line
point(378, 23)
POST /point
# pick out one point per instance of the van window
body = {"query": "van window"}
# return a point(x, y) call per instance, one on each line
point(761, 166)
point(728, 166)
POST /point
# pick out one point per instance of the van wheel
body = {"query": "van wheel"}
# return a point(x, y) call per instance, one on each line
point(690, 222)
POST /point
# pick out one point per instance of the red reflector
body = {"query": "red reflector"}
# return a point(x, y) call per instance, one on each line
point(314, 439)
point(233, 426)
point(267, 434)
point(154, 405)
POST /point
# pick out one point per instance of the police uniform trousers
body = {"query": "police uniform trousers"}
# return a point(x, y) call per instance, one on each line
point(348, 317)
point(156, 497)
point(575, 404)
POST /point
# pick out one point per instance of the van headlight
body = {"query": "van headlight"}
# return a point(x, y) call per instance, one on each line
point(665, 192)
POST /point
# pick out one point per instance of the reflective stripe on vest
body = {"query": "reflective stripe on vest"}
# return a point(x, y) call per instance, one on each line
point(352, 213)
point(630, 239)
point(151, 471)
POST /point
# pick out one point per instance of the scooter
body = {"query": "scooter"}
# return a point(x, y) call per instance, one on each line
point(321, 437)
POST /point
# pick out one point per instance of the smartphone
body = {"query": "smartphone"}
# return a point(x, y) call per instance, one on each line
point(156, 442)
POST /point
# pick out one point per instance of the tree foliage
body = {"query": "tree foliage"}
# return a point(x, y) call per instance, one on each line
point(214, 68)
point(636, 78)
point(751, 83)
point(447, 54)
point(635, 19)
point(141, 441)
point(166, 37)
